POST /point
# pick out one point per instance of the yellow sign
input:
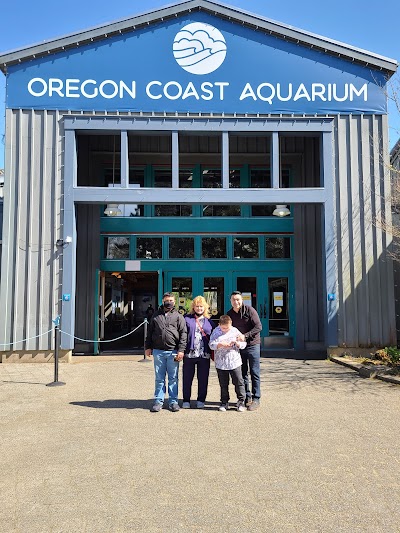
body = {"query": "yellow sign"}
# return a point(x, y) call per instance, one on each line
point(278, 309)
point(214, 312)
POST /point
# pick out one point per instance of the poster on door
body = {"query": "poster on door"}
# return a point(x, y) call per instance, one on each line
point(278, 299)
point(246, 297)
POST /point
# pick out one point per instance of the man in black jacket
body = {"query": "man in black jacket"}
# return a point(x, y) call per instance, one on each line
point(245, 318)
point(166, 341)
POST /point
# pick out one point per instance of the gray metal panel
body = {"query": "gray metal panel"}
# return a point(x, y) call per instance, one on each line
point(30, 270)
point(231, 13)
point(88, 260)
point(366, 301)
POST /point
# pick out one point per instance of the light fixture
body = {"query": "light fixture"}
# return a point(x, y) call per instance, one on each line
point(112, 210)
point(281, 211)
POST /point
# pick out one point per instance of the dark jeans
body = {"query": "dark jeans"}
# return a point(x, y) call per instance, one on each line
point(237, 380)
point(251, 360)
point(203, 369)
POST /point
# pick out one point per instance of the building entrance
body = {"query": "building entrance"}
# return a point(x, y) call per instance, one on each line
point(125, 300)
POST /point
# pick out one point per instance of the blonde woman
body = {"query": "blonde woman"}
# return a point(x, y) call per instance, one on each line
point(197, 354)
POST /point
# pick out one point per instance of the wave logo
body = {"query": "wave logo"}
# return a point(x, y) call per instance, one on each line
point(199, 48)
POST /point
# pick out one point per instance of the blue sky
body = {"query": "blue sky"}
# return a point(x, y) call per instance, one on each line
point(365, 24)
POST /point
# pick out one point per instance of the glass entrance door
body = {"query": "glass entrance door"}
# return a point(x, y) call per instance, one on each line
point(213, 286)
point(271, 294)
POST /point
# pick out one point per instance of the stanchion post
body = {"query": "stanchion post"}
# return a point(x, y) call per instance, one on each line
point(56, 383)
point(145, 359)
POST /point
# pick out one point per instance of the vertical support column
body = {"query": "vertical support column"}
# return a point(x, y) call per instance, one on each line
point(175, 160)
point(124, 160)
point(69, 248)
point(329, 251)
point(225, 160)
point(275, 164)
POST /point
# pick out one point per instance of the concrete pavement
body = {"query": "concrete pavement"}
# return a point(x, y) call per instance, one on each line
point(321, 455)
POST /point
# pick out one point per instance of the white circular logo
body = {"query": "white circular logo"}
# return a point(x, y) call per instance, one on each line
point(199, 48)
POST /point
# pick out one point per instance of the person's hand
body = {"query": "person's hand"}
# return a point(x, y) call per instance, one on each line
point(179, 356)
point(147, 353)
point(240, 337)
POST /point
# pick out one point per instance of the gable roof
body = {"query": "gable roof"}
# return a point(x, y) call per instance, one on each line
point(231, 13)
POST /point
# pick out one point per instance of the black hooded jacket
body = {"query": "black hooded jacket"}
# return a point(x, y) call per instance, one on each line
point(167, 331)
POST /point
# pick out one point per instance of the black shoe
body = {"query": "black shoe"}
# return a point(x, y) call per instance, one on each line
point(255, 404)
point(174, 407)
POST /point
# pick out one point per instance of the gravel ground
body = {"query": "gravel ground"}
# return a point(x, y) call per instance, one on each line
point(320, 455)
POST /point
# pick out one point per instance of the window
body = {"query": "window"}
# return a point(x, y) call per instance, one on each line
point(149, 248)
point(245, 248)
point(173, 210)
point(260, 178)
point(262, 210)
point(181, 247)
point(212, 178)
point(213, 247)
point(277, 248)
point(116, 247)
point(221, 210)
point(162, 177)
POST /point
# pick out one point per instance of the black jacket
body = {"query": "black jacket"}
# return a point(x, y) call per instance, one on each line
point(247, 322)
point(167, 331)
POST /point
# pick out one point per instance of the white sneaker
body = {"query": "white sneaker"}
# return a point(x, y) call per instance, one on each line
point(186, 405)
point(223, 407)
point(240, 406)
point(200, 405)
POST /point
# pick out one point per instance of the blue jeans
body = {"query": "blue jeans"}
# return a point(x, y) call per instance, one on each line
point(164, 364)
point(251, 361)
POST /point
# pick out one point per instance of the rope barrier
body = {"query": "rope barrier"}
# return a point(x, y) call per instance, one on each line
point(28, 339)
point(77, 338)
point(110, 340)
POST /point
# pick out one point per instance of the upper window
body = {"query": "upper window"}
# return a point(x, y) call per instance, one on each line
point(116, 247)
point(277, 248)
point(149, 247)
point(213, 247)
point(181, 247)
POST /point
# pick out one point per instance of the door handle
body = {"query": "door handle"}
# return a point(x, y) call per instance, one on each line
point(261, 311)
point(265, 309)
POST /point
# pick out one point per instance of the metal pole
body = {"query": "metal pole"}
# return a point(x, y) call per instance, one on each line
point(56, 383)
point(145, 359)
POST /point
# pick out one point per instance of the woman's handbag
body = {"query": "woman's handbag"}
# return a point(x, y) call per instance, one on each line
point(206, 336)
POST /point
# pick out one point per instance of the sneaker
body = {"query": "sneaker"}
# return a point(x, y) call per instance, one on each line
point(156, 408)
point(240, 406)
point(174, 407)
point(223, 407)
point(186, 405)
point(248, 401)
point(255, 404)
point(200, 405)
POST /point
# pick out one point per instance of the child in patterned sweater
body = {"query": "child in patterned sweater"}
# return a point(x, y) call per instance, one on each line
point(228, 362)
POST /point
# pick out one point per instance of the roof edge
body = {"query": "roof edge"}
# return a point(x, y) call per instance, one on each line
point(235, 14)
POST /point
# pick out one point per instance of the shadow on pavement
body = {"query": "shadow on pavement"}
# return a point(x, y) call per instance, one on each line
point(116, 404)
point(296, 374)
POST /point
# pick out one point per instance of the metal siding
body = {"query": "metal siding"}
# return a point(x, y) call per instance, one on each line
point(366, 310)
point(88, 260)
point(29, 287)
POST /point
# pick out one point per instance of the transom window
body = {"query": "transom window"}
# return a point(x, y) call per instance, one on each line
point(225, 247)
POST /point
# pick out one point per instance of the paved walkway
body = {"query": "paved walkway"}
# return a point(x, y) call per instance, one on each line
point(321, 455)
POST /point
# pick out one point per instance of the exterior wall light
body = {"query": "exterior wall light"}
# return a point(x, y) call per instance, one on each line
point(112, 210)
point(281, 211)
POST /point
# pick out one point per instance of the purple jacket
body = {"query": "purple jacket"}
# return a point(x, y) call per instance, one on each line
point(208, 326)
